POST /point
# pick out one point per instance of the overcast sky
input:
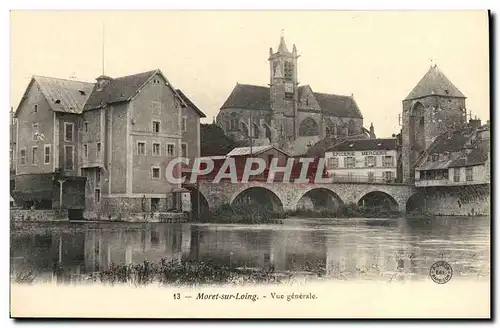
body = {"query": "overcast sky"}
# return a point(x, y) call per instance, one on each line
point(377, 56)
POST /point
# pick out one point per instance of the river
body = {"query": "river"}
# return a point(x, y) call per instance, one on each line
point(381, 249)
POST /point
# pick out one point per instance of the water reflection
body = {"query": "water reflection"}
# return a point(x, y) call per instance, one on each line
point(392, 250)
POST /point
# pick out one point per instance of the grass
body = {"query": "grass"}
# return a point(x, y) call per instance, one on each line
point(185, 272)
point(243, 214)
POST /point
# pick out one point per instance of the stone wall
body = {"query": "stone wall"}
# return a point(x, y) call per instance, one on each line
point(137, 217)
point(19, 215)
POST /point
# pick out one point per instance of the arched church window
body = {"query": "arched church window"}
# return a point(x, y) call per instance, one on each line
point(244, 129)
point(255, 131)
point(308, 127)
point(288, 71)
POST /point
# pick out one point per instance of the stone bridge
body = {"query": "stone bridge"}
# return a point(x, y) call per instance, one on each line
point(291, 196)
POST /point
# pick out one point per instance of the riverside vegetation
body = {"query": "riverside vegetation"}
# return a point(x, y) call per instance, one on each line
point(254, 214)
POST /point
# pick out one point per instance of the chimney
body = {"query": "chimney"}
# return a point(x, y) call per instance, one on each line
point(102, 81)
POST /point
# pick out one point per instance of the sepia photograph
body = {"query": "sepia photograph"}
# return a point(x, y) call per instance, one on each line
point(250, 164)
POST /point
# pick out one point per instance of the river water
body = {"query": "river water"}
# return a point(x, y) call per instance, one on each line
point(377, 249)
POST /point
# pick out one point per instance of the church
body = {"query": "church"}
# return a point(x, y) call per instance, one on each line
point(287, 115)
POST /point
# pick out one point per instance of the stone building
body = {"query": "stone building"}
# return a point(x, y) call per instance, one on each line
point(116, 135)
point(365, 160)
point(433, 106)
point(286, 114)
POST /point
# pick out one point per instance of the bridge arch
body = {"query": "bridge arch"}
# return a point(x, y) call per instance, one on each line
point(260, 196)
point(199, 203)
point(318, 199)
point(378, 199)
point(415, 203)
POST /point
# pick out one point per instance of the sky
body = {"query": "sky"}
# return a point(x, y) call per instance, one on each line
point(376, 56)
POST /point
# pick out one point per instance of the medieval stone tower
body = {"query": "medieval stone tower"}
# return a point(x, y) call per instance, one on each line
point(283, 93)
point(434, 106)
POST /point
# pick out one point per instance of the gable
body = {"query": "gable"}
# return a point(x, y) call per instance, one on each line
point(62, 95)
point(125, 88)
point(32, 95)
point(307, 99)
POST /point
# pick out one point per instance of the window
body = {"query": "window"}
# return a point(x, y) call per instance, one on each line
point(184, 124)
point(170, 149)
point(35, 109)
point(184, 150)
point(68, 157)
point(141, 148)
point(289, 96)
point(350, 162)
point(34, 155)
point(156, 149)
point(22, 156)
point(388, 161)
point(371, 176)
point(370, 161)
point(85, 151)
point(98, 178)
point(388, 176)
point(156, 172)
point(35, 131)
point(86, 126)
point(98, 150)
point(68, 132)
point(468, 173)
point(155, 206)
point(46, 152)
point(333, 162)
point(288, 71)
point(156, 126)
point(456, 175)
point(434, 157)
point(97, 195)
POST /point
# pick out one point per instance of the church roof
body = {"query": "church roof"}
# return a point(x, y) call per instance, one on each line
point(246, 96)
point(434, 82)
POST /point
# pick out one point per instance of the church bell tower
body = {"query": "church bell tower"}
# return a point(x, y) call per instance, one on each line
point(283, 92)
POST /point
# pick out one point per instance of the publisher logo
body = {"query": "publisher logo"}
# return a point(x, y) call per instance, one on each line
point(441, 272)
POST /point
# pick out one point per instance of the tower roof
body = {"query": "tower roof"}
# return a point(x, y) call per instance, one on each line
point(282, 47)
point(434, 82)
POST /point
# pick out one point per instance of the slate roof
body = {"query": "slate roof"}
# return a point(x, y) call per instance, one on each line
point(340, 106)
point(246, 96)
point(449, 142)
point(479, 155)
point(62, 95)
point(190, 103)
point(244, 151)
point(434, 82)
point(118, 89)
point(365, 144)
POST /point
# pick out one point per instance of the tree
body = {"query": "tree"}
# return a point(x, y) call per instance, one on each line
point(214, 142)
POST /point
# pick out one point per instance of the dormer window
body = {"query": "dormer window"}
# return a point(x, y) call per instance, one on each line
point(434, 157)
point(82, 92)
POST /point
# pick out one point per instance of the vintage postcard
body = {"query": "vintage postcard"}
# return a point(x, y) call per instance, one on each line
point(250, 164)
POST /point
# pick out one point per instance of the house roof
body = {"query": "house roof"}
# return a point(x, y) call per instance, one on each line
point(434, 82)
point(63, 95)
point(190, 103)
point(246, 96)
point(365, 144)
point(123, 89)
point(479, 155)
point(435, 165)
point(451, 141)
point(244, 151)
